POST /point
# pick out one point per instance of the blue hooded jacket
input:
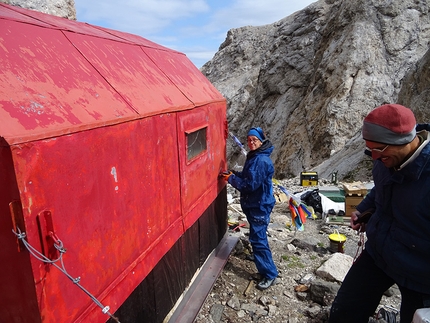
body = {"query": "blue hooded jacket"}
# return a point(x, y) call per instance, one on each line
point(255, 181)
point(398, 233)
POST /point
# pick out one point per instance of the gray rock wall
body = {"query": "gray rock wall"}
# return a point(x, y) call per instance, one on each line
point(415, 91)
point(60, 8)
point(310, 78)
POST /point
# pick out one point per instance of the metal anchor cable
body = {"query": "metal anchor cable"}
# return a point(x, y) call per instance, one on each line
point(59, 246)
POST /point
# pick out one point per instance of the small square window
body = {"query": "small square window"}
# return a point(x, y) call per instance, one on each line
point(196, 143)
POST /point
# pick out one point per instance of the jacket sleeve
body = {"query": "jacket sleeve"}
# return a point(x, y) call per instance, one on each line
point(253, 178)
point(237, 173)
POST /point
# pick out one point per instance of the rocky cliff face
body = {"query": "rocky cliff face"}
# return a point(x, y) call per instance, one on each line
point(310, 78)
point(60, 8)
point(415, 91)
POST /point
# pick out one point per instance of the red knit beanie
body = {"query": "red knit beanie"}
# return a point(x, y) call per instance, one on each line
point(390, 124)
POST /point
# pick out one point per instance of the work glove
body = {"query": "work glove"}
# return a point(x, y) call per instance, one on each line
point(225, 175)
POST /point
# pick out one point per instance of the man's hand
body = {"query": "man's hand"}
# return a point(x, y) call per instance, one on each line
point(354, 224)
point(359, 220)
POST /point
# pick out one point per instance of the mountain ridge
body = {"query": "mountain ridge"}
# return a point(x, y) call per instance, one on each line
point(309, 79)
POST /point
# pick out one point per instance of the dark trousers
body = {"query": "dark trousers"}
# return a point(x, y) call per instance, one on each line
point(258, 222)
point(362, 290)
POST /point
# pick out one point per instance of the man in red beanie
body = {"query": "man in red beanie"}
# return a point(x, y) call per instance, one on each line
point(398, 232)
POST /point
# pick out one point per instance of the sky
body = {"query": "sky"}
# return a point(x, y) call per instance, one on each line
point(194, 27)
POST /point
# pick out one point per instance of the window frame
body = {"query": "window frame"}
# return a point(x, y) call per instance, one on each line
point(201, 152)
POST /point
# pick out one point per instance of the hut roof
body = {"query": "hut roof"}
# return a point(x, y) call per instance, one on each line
point(60, 76)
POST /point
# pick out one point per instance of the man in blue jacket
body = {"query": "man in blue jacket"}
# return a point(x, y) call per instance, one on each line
point(256, 198)
point(398, 233)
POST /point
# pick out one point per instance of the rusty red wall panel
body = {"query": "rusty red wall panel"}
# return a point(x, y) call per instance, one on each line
point(17, 284)
point(113, 205)
point(55, 82)
point(11, 13)
point(185, 75)
point(199, 177)
point(41, 19)
point(48, 88)
point(133, 74)
point(134, 39)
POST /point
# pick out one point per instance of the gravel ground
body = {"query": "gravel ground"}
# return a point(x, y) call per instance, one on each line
point(297, 254)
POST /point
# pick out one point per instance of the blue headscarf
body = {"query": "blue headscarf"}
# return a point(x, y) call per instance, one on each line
point(257, 132)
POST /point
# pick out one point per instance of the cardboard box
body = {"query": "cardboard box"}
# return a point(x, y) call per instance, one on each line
point(351, 203)
point(355, 188)
point(308, 178)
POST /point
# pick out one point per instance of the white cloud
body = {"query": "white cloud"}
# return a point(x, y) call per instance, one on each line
point(136, 16)
point(194, 27)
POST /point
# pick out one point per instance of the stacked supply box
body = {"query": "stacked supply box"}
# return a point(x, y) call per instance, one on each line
point(354, 194)
point(309, 178)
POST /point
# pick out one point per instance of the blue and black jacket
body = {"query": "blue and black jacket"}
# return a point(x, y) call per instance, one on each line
point(254, 182)
point(398, 233)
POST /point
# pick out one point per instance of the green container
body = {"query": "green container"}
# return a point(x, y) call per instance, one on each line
point(335, 196)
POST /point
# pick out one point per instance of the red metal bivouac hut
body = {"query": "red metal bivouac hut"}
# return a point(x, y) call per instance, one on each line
point(110, 149)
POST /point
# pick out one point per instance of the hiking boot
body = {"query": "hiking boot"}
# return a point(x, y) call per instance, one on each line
point(266, 283)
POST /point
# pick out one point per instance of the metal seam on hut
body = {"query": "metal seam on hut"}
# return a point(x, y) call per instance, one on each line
point(110, 148)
